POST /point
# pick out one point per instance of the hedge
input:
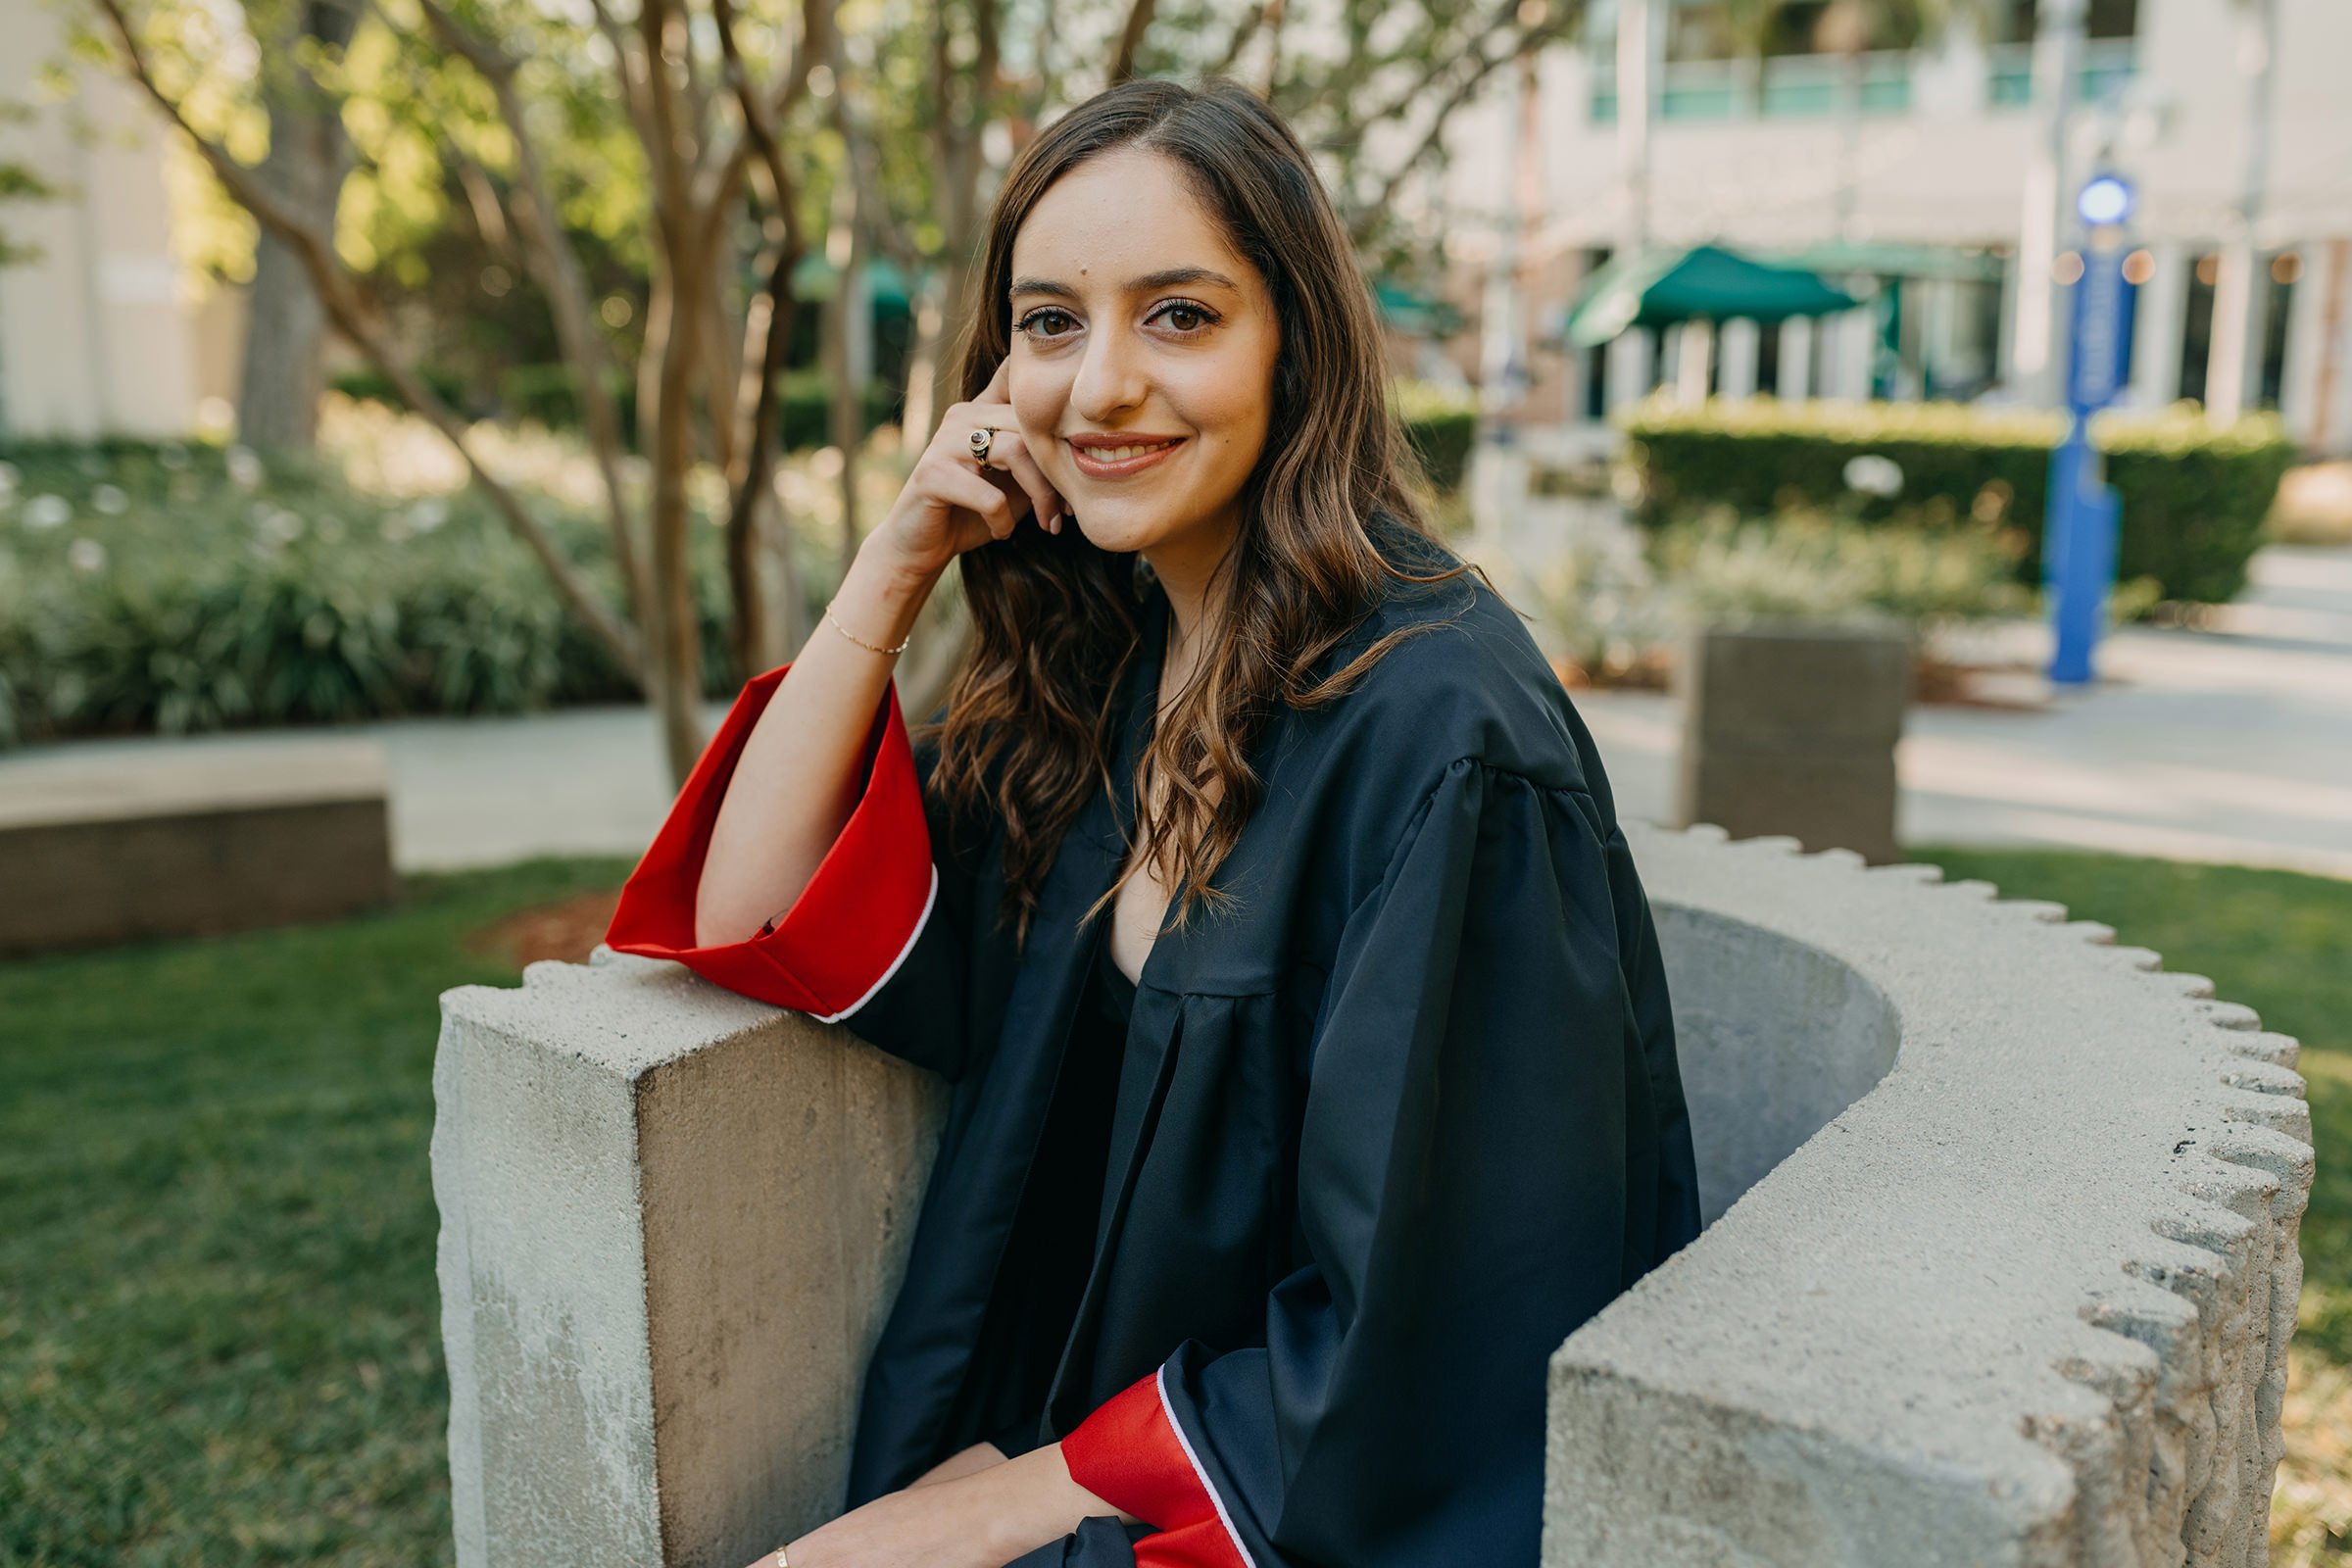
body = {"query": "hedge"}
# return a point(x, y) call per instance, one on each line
point(1441, 424)
point(181, 588)
point(2194, 495)
point(546, 394)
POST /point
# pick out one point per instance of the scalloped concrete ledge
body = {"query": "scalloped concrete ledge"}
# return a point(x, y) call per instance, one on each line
point(2000, 1264)
point(2026, 1299)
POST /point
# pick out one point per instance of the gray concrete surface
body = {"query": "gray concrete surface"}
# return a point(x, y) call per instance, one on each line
point(2025, 1300)
point(671, 1221)
point(2229, 745)
point(1792, 729)
point(101, 846)
point(2000, 1266)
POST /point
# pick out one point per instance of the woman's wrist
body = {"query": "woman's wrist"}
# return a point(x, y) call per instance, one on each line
point(1035, 1501)
point(880, 598)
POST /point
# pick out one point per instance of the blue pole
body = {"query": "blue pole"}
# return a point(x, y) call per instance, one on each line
point(2083, 515)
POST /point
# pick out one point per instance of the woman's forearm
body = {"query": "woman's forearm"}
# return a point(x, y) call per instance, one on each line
point(1031, 1500)
point(979, 1456)
point(797, 781)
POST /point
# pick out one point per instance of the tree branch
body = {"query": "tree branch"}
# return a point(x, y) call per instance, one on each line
point(1367, 217)
point(558, 268)
point(1131, 39)
point(343, 307)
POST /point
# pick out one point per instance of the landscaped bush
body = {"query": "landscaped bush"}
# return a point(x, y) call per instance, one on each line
point(1441, 424)
point(372, 386)
point(2193, 495)
point(1614, 611)
point(183, 588)
point(548, 395)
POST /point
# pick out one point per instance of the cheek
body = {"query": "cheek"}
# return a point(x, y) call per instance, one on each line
point(1233, 412)
point(1037, 409)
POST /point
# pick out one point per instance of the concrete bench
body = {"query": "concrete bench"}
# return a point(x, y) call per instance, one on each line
point(109, 844)
point(2001, 1263)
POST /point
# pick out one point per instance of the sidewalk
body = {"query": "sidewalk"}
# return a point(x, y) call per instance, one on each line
point(2229, 745)
point(2232, 744)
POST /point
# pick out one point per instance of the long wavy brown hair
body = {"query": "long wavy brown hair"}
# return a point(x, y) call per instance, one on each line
point(1027, 731)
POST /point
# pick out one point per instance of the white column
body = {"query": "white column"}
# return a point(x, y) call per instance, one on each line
point(1796, 370)
point(2299, 378)
point(2035, 355)
point(2160, 318)
point(1845, 355)
point(2233, 370)
point(2233, 376)
point(1692, 357)
point(1628, 377)
point(2329, 276)
point(1740, 341)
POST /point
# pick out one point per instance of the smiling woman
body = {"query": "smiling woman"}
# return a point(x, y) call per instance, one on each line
point(1262, 1202)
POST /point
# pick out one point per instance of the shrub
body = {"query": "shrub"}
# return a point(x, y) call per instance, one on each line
point(368, 385)
point(191, 588)
point(1442, 422)
point(2193, 495)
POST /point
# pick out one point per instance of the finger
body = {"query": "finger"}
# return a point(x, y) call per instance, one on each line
point(1013, 456)
point(966, 487)
point(999, 384)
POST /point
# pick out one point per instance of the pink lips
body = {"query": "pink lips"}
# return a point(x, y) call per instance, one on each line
point(1095, 468)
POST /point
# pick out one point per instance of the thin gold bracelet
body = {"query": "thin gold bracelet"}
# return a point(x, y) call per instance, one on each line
point(862, 642)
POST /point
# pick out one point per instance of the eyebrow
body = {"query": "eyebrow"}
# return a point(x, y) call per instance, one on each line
point(1170, 278)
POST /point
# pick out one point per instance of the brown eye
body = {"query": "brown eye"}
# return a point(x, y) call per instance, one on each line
point(1027, 322)
point(1199, 315)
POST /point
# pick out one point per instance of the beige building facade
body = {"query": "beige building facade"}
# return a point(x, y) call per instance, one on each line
point(1921, 160)
point(98, 330)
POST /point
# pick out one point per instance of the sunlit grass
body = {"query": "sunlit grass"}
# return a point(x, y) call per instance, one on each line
point(220, 1333)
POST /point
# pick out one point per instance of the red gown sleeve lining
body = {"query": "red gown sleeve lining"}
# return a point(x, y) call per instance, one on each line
point(1132, 1453)
point(852, 927)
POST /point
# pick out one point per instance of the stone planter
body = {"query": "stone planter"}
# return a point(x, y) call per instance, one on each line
point(1790, 728)
point(1999, 1265)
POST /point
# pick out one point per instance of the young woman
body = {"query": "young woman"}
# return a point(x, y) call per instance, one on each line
point(1313, 1072)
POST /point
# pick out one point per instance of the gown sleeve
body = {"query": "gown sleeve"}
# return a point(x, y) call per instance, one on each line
point(1493, 1145)
point(875, 941)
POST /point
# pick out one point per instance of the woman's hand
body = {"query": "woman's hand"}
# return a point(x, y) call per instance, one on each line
point(947, 505)
point(983, 1519)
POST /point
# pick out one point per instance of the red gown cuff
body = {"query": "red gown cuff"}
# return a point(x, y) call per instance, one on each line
point(1131, 1453)
point(851, 927)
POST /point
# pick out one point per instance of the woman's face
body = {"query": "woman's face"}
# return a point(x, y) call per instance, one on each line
point(1133, 318)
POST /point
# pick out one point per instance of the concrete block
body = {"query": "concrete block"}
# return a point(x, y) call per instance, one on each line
point(672, 1220)
point(111, 846)
point(2023, 1300)
point(1791, 729)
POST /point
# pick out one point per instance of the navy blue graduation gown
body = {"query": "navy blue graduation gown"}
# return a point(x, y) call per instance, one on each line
point(1382, 1137)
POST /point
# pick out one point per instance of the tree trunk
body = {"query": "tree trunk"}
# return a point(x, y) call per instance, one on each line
point(674, 636)
point(285, 328)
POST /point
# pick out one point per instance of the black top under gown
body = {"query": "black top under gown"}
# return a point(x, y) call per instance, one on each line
point(1051, 1247)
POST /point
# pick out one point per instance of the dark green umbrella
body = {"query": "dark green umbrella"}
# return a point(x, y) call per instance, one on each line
point(1415, 315)
point(1706, 282)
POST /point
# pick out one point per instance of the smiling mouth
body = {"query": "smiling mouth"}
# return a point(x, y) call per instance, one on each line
point(1111, 463)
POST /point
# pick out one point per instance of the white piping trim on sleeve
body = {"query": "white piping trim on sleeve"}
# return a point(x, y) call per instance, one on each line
point(930, 898)
point(1159, 1381)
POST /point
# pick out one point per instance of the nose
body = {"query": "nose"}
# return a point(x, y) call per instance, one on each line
point(1112, 378)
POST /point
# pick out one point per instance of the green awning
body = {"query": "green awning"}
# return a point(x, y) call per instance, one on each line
point(1839, 257)
point(1415, 315)
point(1706, 282)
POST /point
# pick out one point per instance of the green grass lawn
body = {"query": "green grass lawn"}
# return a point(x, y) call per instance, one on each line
point(220, 1338)
point(219, 1334)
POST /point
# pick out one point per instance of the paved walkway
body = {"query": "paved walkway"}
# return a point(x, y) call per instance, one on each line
point(2230, 745)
